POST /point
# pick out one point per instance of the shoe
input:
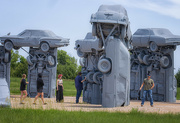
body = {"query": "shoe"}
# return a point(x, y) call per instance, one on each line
point(44, 103)
point(141, 105)
point(152, 106)
point(34, 103)
point(22, 103)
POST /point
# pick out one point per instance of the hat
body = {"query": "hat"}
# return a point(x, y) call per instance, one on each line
point(60, 75)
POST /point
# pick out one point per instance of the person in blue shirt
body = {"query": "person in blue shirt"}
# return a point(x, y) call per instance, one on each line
point(79, 85)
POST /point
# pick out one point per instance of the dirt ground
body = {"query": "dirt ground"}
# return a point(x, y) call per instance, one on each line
point(69, 105)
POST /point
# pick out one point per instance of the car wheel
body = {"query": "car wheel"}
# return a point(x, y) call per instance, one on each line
point(94, 28)
point(51, 60)
point(104, 65)
point(89, 77)
point(8, 45)
point(153, 46)
point(96, 77)
point(29, 61)
point(165, 61)
point(146, 60)
point(44, 46)
point(82, 61)
point(6, 57)
point(140, 58)
point(80, 53)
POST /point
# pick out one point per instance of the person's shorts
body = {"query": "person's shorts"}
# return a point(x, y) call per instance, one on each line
point(39, 90)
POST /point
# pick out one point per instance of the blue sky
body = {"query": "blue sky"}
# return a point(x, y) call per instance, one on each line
point(70, 18)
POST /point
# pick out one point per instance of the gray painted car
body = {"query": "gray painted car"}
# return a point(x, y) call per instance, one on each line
point(44, 39)
point(154, 38)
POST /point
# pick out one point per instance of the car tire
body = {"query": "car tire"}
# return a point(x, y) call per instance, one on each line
point(140, 58)
point(94, 29)
point(165, 61)
point(80, 53)
point(82, 62)
point(104, 65)
point(8, 45)
point(89, 77)
point(29, 61)
point(6, 57)
point(146, 60)
point(96, 77)
point(44, 47)
point(153, 46)
point(51, 60)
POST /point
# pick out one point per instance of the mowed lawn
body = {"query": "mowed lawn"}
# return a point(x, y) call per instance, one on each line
point(69, 87)
point(8, 115)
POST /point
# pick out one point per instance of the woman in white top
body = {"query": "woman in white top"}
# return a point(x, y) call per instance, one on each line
point(59, 92)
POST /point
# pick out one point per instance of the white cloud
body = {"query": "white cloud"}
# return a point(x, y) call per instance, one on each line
point(166, 7)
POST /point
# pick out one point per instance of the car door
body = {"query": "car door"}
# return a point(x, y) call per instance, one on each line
point(145, 37)
point(23, 39)
point(34, 38)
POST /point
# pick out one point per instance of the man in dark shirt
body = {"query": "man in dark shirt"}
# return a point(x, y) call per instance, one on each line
point(79, 86)
point(40, 85)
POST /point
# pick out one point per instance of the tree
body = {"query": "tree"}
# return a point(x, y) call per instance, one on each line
point(177, 75)
point(67, 65)
point(19, 64)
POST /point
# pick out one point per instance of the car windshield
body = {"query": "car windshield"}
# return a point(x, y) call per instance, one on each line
point(89, 36)
point(142, 32)
point(161, 32)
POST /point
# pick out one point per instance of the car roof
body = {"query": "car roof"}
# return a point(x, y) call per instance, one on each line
point(154, 31)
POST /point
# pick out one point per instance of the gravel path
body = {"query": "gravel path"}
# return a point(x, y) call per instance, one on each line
point(69, 105)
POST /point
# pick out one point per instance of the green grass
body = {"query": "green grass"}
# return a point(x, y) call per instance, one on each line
point(178, 93)
point(15, 86)
point(8, 115)
point(69, 87)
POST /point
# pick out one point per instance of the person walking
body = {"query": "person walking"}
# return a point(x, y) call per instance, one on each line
point(148, 84)
point(79, 86)
point(23, 88)
point(40, 85)
point(60, 88)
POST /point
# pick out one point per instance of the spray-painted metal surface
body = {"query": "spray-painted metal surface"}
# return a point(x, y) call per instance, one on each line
point(44, 60)
point(44, 39)
point(111, 25)
point(45, 63)
point(90, 53)
point(5, 58)
point(42, 57)
point(153, 52)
